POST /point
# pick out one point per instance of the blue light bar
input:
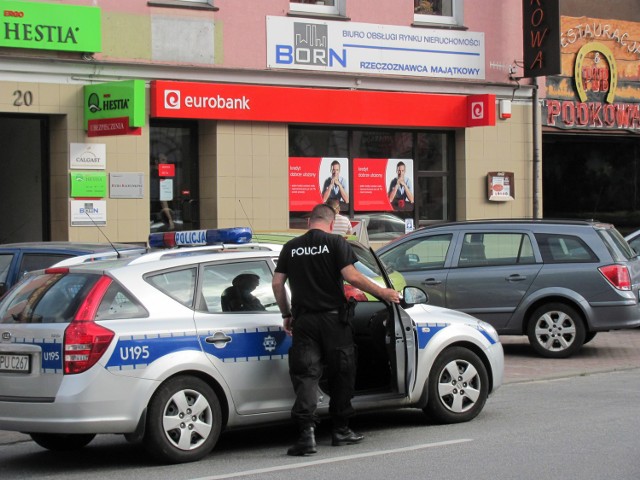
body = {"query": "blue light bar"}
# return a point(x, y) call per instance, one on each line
point(193, 238)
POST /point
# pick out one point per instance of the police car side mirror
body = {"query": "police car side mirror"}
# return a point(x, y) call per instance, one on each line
point(412, 296)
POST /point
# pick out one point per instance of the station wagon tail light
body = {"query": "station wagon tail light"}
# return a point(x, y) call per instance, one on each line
point(617, 275)
point(352, 292)
point(84, 340)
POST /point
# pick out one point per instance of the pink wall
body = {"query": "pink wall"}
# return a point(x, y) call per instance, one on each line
point(243, 25)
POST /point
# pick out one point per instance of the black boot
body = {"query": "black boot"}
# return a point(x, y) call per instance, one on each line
point(306, 444)
point(345, 436)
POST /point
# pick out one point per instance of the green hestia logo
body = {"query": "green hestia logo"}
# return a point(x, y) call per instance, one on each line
point(93, 104)
point(50, 26)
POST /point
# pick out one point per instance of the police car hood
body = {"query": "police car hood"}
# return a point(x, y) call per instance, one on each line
point(430, 313)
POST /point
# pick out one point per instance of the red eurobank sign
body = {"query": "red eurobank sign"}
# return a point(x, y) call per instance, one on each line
point(321, 106)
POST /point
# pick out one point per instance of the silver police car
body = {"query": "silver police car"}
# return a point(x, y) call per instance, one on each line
point(170, 348)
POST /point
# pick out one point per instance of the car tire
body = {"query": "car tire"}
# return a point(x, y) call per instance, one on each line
point(62, 442)
point(176, 432)
point(556, 330)
point(590, 336)
point(458, 386)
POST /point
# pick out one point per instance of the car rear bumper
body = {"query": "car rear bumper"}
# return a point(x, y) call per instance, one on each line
point(115, 408)
point(614, 317)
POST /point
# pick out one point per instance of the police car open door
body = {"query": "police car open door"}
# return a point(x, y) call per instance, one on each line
point(383, 334)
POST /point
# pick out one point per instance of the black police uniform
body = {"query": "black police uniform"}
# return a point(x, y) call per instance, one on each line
point(322, 335)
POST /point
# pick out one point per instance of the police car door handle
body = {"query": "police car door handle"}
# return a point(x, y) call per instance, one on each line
point(218, 337)
point(431, 282)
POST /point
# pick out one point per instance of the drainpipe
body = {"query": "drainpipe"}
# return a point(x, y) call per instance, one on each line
point(536, 150)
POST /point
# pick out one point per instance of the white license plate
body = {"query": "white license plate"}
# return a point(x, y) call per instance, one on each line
point(12, 362)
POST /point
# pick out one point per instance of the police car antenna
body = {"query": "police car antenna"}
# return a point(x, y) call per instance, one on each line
point(247, 217)
point(103, 234)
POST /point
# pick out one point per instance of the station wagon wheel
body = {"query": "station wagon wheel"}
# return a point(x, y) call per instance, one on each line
point(458, 386)
point(184, 420)
point(62, 442)
point(556, 330)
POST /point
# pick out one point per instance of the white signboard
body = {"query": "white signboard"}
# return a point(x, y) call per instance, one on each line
point(166, 189)
point(306, 44)
point(126, 185)
point(88, 213)
point(87, 156)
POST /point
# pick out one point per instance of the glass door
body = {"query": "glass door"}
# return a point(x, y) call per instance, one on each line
point(174, 193)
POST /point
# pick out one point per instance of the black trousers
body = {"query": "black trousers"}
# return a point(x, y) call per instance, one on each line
point(322, 341)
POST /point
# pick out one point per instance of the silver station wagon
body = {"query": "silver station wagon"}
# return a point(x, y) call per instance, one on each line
point(558, 282)
point(170, 348)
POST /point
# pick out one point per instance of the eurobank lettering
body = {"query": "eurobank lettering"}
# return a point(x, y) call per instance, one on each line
point(241, 103)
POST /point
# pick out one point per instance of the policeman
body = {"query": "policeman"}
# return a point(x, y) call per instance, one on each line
point(316, 264)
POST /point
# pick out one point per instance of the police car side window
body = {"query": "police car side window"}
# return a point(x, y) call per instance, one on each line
point(178, 284)
point(118, 303)
point(238, 287)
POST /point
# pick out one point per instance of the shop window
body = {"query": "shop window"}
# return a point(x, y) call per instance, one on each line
point(442, 12)
point(388, 174)
point(324, 7)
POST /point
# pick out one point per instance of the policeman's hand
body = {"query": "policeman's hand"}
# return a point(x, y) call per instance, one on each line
point(390, 295)
point(287, 325)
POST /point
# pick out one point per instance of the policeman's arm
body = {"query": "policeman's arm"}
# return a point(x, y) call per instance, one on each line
point(277, 284)
point(355, 278)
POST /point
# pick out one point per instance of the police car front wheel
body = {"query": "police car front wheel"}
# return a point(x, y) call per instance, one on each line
point(458, 386)
point(183, 420)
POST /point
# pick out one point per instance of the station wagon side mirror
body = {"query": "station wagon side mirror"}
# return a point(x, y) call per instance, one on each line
point(412, 296)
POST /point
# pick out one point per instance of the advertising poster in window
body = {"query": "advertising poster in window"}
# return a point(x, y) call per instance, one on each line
point(383, 184)
point(314, 180)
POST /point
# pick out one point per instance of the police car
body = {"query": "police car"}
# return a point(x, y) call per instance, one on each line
point(171, 347)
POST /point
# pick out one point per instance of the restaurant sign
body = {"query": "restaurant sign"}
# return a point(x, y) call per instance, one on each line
point(599, 88)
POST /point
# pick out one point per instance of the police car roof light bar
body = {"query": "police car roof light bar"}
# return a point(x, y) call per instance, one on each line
point(192, 238)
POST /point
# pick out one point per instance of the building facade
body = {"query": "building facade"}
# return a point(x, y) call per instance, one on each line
point(137, 116)
point(591, 116)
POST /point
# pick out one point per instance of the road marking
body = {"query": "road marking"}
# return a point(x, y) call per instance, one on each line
point(335, 459)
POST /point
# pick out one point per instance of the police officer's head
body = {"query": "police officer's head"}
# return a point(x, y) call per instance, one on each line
point(322, 217)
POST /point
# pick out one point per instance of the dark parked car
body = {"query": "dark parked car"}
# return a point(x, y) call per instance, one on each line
point(16, 259)
point(558, 282)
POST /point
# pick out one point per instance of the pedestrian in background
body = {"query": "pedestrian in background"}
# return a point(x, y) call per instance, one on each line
point(341, 224)
point(316, 265)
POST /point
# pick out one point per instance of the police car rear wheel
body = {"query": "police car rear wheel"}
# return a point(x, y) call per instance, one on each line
point(62, 442)
point(184, 420)
point(458, 386)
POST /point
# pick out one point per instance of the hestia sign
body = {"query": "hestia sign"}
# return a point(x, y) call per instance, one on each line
point(46, 26)
point(295, 43)
point(110, 101)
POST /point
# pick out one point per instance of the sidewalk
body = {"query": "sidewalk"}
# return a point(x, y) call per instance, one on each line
point(609, 351)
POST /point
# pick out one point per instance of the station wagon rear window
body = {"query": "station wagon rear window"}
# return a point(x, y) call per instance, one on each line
point(564, 249)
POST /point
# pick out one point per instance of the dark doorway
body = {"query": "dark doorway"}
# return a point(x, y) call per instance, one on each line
point(174, 176)
point(24, 181)
point(592, 177)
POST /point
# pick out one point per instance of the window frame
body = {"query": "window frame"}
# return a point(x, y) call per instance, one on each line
point(456, 19)
point(312, 8)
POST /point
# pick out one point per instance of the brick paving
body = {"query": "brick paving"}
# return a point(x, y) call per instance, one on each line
point(609, 351)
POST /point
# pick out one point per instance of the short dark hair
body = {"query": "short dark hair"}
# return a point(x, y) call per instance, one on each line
point(322, 212)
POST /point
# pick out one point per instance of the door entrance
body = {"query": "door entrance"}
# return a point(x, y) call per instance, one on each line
point(24, 182)
point(174, 177)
